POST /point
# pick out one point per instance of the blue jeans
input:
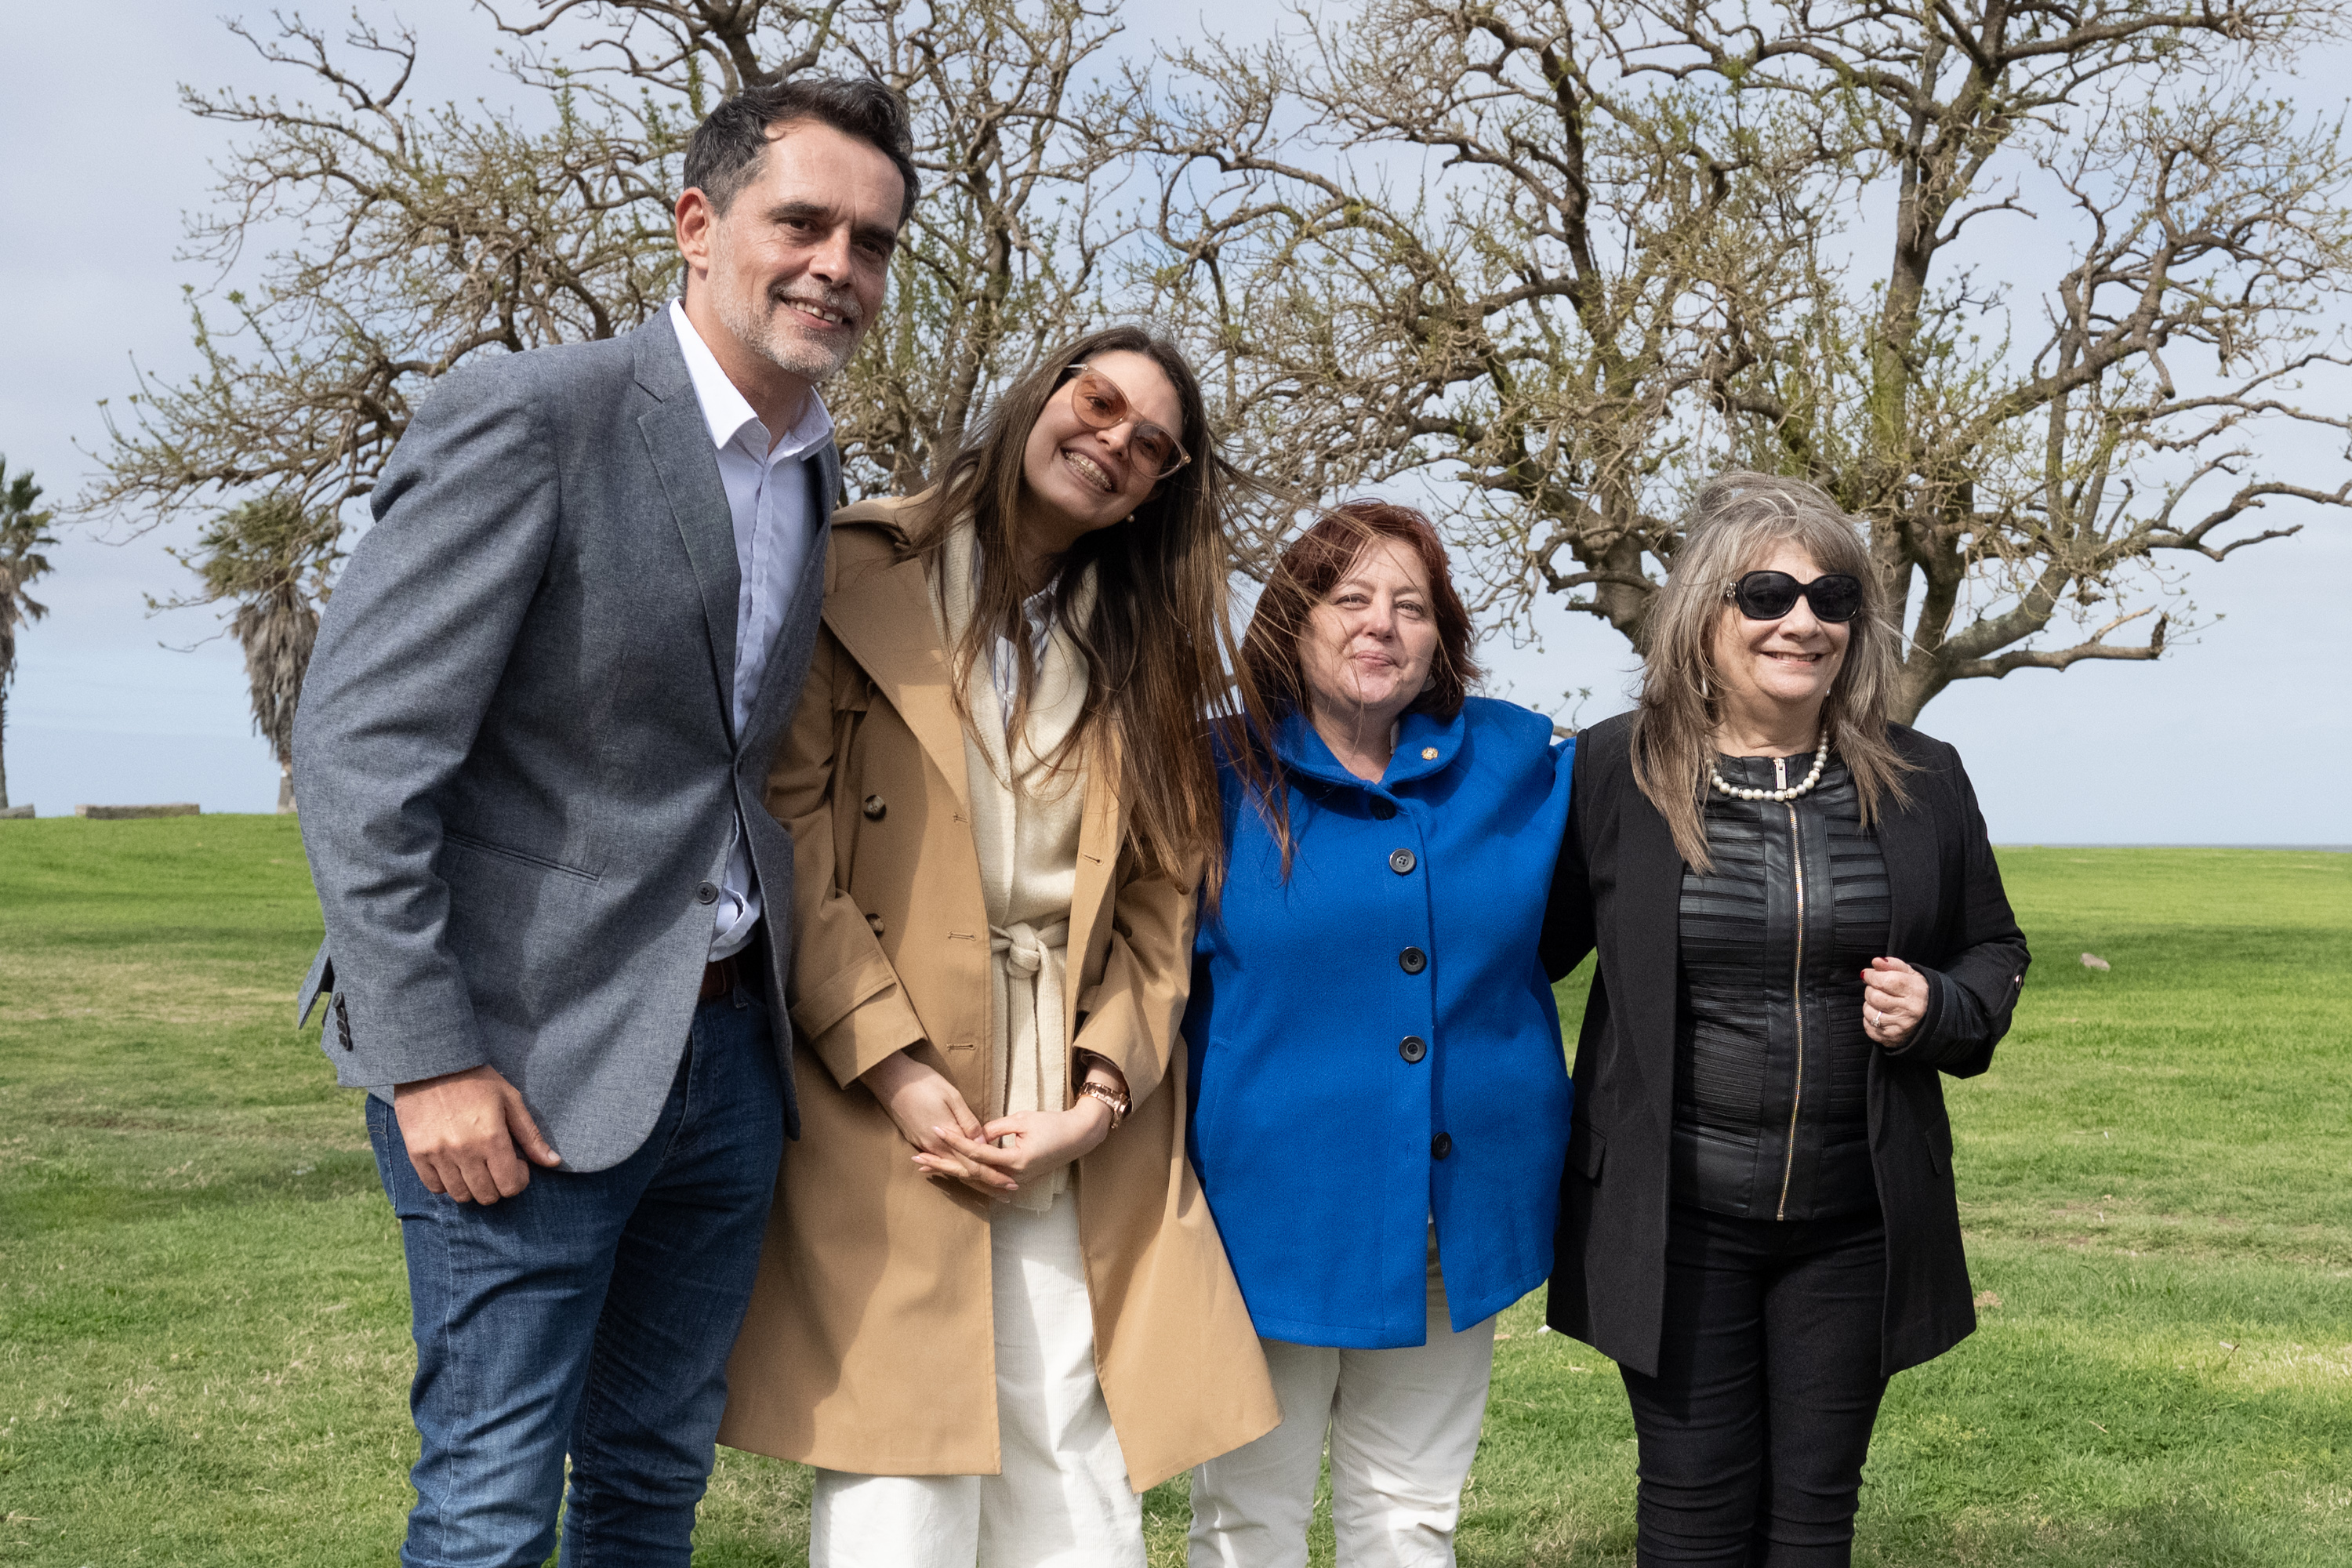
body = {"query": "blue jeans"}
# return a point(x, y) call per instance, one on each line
point(592, 1314)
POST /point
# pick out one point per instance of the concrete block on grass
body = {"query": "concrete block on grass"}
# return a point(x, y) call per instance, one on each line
point(17, 813)
point(126, 813)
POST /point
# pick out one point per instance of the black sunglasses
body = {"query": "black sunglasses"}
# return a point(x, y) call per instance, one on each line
point(1767, 595)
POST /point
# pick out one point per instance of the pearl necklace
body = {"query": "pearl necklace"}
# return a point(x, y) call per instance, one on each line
point(1821, 760)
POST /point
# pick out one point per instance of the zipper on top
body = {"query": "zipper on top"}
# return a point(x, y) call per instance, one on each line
point(1797, 999)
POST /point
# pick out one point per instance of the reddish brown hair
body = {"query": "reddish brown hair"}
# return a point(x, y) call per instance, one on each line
point(1307, 571)
point(1316, 561)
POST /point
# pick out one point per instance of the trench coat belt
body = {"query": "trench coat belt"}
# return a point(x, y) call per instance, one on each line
point(1038, 956)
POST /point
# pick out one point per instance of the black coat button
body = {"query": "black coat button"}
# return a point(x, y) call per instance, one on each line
point(1412, 961)
point(875, 807)
point(707, 894)
point(1441, 1146)
point(1412, 1048)
point(1401, 861)
point(1383, 809)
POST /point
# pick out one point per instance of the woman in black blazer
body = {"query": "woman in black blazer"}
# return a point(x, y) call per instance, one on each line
point(1800, 927)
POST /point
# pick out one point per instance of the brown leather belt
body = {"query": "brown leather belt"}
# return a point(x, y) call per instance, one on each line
point(721, 978)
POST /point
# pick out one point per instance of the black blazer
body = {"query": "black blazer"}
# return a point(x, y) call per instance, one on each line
point(1618, 887)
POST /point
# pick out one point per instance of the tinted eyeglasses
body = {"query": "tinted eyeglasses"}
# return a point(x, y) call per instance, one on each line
point(1099, 404)
point(1835, 597)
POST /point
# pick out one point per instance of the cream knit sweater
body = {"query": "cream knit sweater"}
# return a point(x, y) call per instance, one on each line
point(1025, 817)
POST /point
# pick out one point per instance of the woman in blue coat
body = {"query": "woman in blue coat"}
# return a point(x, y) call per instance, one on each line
point(1381, 1108)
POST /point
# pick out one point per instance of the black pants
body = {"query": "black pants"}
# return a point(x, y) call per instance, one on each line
point(1754, 1431)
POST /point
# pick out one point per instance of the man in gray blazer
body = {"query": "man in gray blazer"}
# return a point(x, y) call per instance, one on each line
point(530, 755)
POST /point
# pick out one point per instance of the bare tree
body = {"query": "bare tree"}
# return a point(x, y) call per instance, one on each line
point(2183, 302)
point(24, 534)
point(1564, 259)
point(271, 559)
point(424, 236)
point(409, 240)
point(1456, 243)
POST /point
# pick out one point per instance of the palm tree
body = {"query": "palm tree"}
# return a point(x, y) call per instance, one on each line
point(258, 555)
point(24, 534)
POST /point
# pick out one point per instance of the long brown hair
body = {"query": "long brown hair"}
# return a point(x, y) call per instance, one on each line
point(1158, 640)
point(1734, 523)
point(1306, 572)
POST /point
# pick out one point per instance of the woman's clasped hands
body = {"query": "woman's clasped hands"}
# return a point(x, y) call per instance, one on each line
point(997, 1159)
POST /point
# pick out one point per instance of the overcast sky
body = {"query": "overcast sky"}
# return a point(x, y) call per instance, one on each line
point(2245, 737)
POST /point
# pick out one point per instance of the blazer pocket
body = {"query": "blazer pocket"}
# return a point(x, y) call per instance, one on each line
point(472, 844)
point(1586, 1149)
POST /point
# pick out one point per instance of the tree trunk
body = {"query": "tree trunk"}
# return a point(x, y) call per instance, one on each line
point(1914, 687)
point(3, 750)
point(285, 789)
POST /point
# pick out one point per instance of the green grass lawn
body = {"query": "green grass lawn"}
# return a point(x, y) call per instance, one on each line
point(203, 1347)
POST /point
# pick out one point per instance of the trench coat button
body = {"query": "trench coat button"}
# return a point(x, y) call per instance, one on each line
point(1412, 1048)
point(875, 807)
point(1401, 861)
point(1383, 809)
point(1441, 1146)
point(1412, 961)
point(707, 894)
point(875, 921)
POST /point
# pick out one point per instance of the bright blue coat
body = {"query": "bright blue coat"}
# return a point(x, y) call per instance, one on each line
point(1329, 1063)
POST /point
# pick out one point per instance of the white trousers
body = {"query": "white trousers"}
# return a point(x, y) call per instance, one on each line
point(1403, 1427)
point(1062, 1499)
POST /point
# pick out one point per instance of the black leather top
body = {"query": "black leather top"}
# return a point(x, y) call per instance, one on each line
point(1771, 1063)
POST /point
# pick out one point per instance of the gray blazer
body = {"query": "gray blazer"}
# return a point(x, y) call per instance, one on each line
point(515, 753)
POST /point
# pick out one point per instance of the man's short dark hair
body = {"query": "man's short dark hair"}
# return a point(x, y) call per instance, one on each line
point(727, 146)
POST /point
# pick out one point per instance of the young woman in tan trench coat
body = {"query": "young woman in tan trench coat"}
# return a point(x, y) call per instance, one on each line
point(993, 1307)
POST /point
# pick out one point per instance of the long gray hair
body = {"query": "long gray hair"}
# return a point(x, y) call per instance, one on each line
point(1733, 525)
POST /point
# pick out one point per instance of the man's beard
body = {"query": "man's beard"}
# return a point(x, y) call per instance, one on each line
point(772, 340)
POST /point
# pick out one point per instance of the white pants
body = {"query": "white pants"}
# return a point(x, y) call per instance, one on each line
point(1403, 1427)
point(1062, 1500)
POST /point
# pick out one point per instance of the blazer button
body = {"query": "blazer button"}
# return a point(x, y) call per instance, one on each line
point(1401, 861)
point(707, 894)
point(1383, 809)
point(1441, 1146)
point(1413, 1049)
point(1412, 961)
point(876, 808)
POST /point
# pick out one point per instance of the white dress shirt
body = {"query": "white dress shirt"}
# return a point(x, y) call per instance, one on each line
point(767, 496)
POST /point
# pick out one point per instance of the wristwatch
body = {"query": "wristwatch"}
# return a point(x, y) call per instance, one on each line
point(1115, 1097)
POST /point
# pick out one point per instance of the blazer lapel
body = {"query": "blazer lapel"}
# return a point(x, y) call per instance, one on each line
point(780, 691)
point(1907, 839)
point(1648, 918)
point(881, 613)
point(828, 473)
point(677, 440)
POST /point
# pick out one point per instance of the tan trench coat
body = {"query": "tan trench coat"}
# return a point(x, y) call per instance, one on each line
point(869, 1346)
